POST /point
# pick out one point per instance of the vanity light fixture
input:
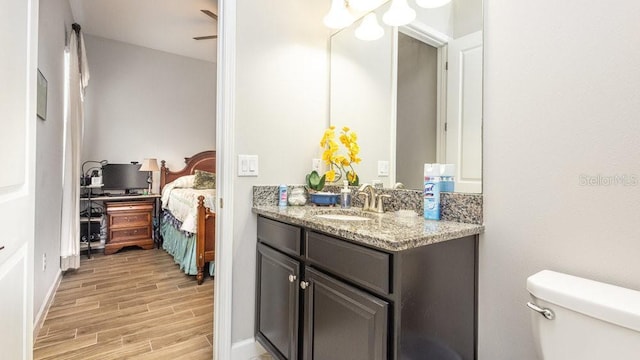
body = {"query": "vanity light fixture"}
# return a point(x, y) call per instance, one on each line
point(399, 13)
point(339, 16)
point(431, 4)
point(369, 29)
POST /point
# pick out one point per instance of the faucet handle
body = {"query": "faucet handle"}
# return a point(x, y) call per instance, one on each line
point(380, 207)
point(365, 206)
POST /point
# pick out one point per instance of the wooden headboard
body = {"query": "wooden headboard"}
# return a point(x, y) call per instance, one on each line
point(205, 161)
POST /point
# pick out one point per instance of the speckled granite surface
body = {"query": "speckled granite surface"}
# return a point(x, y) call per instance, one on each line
point(466, 208)
point(457, 207)
point(386, 231)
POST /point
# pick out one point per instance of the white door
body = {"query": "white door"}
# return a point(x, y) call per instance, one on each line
point(464, 111)
point(18, 77)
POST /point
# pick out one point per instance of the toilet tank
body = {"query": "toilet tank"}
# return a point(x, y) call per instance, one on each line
point(591, 320)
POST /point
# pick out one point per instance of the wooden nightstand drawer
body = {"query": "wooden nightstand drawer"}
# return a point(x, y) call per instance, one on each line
point(129, 219)
point(137, 206)
point(129, 234)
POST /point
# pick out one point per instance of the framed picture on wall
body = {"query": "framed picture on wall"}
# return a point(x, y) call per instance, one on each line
point(42, 96)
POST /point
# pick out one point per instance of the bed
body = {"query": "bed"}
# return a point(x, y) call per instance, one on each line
point(190, 239)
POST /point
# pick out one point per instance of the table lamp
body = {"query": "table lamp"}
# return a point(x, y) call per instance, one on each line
point(150, 165)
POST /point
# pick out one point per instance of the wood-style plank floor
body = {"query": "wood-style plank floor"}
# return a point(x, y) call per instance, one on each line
point(135, 304)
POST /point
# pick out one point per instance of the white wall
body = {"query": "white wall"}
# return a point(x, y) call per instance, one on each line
point(54, 23)
point(468, 17)
point(147, 103)
point(561, 101)
point(281, 112)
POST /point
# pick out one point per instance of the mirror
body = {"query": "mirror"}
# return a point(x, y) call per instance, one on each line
point(414, 96)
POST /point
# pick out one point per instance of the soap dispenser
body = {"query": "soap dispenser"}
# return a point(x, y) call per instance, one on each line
point(345, 196)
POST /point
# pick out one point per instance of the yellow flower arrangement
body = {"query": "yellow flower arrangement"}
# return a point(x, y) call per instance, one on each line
point(338, 164)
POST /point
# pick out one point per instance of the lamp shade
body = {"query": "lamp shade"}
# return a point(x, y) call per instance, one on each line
point(338, 16)
point(369, 29)
point(399, 13)
point(149, 164)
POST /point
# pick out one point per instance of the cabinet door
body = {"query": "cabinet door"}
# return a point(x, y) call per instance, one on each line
point(278, 302)
point(342, 322)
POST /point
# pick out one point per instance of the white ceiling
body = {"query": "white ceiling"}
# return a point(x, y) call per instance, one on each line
point(166, 25)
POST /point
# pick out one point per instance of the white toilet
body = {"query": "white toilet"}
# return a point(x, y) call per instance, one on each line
point(576, 318)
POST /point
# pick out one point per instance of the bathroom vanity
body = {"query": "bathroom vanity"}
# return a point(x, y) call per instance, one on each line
point(384, 288)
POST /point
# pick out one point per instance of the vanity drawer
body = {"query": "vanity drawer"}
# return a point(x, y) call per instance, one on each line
point(364, 266)
point(286, 238)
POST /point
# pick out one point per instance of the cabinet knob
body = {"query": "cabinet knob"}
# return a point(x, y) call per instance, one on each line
point(304, 284)
point(292, 278)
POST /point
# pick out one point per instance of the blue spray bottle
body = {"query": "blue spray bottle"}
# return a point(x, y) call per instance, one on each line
point(432, 191)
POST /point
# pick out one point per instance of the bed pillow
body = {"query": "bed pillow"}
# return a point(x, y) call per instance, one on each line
point(186, 181)
point(204, 180)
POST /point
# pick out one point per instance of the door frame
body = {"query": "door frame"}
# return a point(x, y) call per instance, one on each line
point(438, 40)
point(225, 115)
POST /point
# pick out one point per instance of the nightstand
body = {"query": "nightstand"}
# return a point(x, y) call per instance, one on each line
point(129, 224)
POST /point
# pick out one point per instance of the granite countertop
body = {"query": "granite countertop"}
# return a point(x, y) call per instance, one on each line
point(387, 231)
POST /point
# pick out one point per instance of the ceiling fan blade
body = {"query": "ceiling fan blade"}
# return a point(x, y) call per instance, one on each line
point(210, 14)
point(205, 37)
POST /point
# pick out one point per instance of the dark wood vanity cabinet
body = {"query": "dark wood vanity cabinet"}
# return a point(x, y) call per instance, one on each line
point(324, 298)
point(278, 300)
point(342, 322)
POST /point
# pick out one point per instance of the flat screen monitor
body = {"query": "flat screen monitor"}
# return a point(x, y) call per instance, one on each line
point(124, 177)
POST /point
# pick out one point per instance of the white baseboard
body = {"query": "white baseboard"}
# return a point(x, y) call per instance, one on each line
point(246, 349)
point(42, 313)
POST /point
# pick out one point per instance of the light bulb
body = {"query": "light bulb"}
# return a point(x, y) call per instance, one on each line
point(399, 13)
point(369, 29)
point(430, 4)
point(338, 16)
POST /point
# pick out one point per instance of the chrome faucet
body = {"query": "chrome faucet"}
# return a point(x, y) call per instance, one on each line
point(369, 198)
point(372, 201)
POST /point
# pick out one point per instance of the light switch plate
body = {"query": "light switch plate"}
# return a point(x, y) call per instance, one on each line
point(383, 168)
point(247, 165)
point(315, 165)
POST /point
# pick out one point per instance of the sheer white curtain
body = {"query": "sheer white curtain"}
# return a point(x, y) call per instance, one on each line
point(77, 78)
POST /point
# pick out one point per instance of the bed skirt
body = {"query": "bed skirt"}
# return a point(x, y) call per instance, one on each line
point(180, 244)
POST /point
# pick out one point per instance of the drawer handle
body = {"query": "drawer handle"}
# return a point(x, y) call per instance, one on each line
point(292, 278)
point(304, 284)
point(2, 247)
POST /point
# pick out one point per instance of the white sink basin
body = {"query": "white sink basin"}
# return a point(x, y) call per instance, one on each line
point(342, 217)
